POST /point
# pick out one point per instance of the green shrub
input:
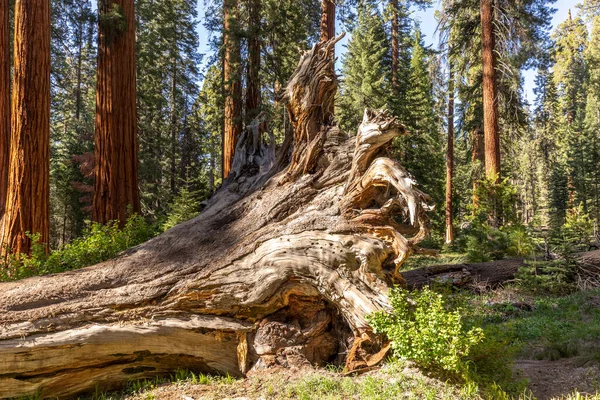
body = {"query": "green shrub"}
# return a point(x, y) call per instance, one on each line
point(99, 243)
point(422, 330)
point(185, 206)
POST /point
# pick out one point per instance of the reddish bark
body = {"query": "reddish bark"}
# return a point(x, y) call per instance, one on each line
point(232, 127)
point(450, 159)
point(27, 200)
point(395, 45)
point(490, 91)
point(327, 20)
point(116, 190)
point(253, 95)
point(4, 101)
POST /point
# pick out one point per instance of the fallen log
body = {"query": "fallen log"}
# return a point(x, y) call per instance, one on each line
point(485, 274)
point(493, 273)
point(281, 267)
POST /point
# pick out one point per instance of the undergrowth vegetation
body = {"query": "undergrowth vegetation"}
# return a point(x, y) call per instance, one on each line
point(98, 243)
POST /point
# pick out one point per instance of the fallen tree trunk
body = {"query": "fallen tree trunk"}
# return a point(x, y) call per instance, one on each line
point(281, 268)
point(475, 275)
point(490, 274)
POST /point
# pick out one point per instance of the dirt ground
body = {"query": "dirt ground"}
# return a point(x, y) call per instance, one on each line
point(553, 379)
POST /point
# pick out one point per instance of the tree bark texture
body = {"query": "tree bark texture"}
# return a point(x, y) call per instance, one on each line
point(490, 91)
point(232, 83)
point(450, 158)
point(253, 95)
point(4, 101)
point(27, 199)
point(116, 191)
point(327, 20)
point(395, 44)
point(280, 269)
point(478, 161)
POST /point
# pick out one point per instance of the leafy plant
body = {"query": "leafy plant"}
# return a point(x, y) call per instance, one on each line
point(422, 330)
point(99, 243)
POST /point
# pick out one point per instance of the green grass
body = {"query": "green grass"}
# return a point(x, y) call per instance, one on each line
point(555, 327)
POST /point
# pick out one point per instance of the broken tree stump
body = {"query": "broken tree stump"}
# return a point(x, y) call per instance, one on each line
point(281, 268)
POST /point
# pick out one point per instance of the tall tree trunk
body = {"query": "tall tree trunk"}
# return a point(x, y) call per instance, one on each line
point(450, 158)
point(253, 95)
point(478, 160)
point(116, 148)
point(27, 200)
point(4, 101)
point(490, 91)
point(173, 122)
point(232, 127)
point(327, 20)
point(395, 45)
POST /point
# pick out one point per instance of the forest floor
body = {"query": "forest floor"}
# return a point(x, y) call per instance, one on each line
point(537, 346)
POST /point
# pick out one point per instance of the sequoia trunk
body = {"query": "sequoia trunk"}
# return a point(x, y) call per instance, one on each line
point(116, 191)
point(232, 127)
point(395, 45)
point(490, 92)
point(327, 20)
point(4, 101)
point(27, 199)
point(253, 95)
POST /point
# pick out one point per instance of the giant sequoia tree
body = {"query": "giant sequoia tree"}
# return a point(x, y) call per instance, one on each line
point(116, 191)
point(490, 91)
point(233, 83)
point(4, 100)
point(27, 207)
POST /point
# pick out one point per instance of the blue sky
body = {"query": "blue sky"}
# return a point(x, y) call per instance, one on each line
point(428, 26)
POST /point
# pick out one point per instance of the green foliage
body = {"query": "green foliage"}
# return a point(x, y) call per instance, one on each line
point(365, 68)
point(185, 206)
point(98, 243)
point(578, 229)
point(112, 20)
point(422, 330)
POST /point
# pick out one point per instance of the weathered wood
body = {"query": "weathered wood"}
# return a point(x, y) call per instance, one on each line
point(281, 268)
point(486, 274)
point(493, 273)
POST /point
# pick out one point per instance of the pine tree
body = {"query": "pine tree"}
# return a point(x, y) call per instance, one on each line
point(27, 200)
point(168, 75)
point(73, 61)
point(365, 68)
point(449, 238)
point(116, 191)
point(424, 139)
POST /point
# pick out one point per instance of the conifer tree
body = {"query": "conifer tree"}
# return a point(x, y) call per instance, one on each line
point(365, 69)
point(27, 199)
point(424, 138)
point(232, 81)
point(116, 191)
point(4, 100)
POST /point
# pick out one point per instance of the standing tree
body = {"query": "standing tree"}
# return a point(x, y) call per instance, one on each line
point(116, 189)
point(395, 44)
point(4, 101)
point(233, 86)
point(450, 157)
point(253, 95)
point(327, 20)
point(27, 199)
point(490, 92)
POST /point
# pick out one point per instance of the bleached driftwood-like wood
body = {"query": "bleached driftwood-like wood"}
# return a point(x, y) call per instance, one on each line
point(281, 268)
